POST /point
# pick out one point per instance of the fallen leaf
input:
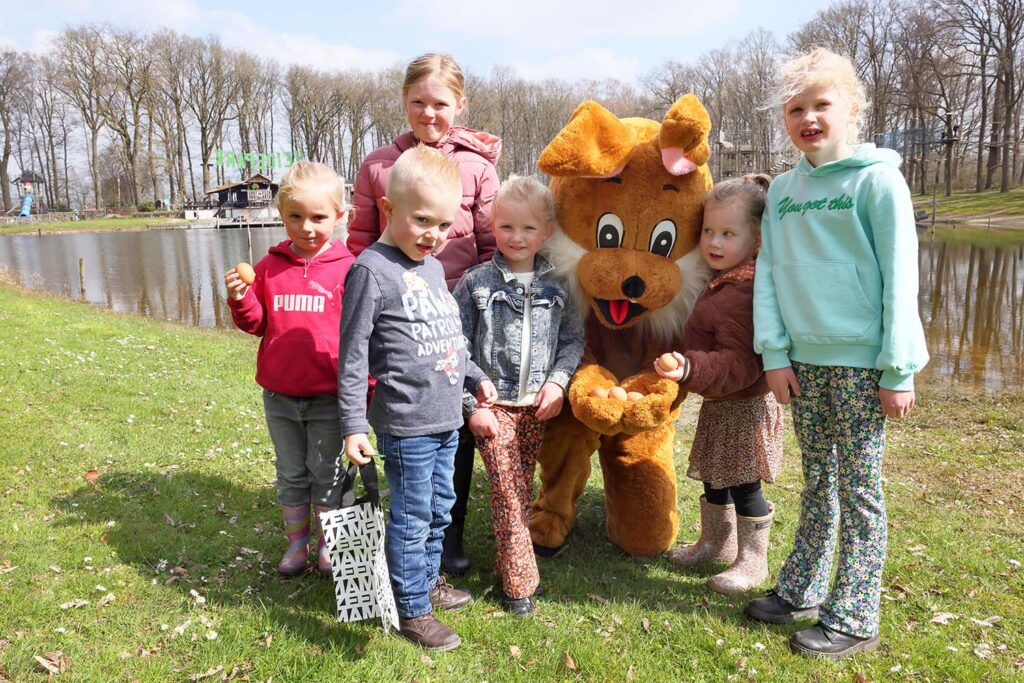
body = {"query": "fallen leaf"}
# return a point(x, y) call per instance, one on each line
point(170, 521)
point(54, 568)
point(200, 600)
point(944, 618)
point(741, 663)
point(426, 660)
point(7, 567)
point(266, 640)
point(860, 678)
point(179, 571)
point(46, 665)
point(206, 674)
point(986, 622)
point(74, 604)
point(180, 628)
point(91, 476)
point(106, 600)
point(646, 624)
point(515, 652)
point(630, 673)
point(598, 598)
point(569, 663)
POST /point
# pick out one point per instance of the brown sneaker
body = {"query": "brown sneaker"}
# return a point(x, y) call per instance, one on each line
point(445, 596)
point(429, 633)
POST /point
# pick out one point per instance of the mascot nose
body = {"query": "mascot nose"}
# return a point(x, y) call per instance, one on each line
point(634, 287)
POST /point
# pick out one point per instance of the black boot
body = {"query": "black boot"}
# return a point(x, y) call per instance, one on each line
point(453, 558)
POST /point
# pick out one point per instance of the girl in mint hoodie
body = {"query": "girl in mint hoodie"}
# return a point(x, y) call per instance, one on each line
point(433, 97)
point(836, 323)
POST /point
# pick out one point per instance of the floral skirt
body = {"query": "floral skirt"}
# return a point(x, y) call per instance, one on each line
point(737, 442)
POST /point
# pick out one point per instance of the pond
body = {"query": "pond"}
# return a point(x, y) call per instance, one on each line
point(971, 287)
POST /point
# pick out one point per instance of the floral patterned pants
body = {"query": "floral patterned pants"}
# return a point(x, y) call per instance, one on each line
point(841, 429)
point(511, 458)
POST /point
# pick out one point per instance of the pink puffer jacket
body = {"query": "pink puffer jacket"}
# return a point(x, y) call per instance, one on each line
point(470, 240)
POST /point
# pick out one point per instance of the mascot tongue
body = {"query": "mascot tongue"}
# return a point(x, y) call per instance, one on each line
point(618, 308)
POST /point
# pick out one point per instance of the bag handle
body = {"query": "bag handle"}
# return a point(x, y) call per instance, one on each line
point(368, 473)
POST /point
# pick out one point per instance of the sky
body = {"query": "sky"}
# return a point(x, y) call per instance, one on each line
point(566, 39)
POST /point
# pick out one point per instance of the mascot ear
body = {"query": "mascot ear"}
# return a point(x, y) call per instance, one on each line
point(684, 136)
point(595, 143)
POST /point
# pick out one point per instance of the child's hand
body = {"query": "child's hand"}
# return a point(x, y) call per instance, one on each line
point(896, 404)
point(483, 423)
point(236, 288)
point(486, 394)
point(549, 401)
point(783, 384)
point(681, 372)
point(358, 449)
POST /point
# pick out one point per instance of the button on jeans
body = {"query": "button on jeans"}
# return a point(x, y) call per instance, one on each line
point(419, 471)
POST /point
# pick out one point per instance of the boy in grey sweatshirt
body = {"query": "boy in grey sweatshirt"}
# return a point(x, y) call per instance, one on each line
point(400, 325)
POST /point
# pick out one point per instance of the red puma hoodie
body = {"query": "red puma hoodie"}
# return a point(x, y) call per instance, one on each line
point(295, 306)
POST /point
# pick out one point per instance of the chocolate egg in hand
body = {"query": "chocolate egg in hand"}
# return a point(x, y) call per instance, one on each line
point(245, 272)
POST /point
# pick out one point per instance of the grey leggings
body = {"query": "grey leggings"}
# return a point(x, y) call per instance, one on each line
point(306, 433)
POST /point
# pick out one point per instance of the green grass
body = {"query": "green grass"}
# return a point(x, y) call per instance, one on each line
point(92, 225)
point(974, 203)
point(171, 419)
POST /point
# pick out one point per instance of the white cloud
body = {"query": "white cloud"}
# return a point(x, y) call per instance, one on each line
point(590, 63)
point(563, 24)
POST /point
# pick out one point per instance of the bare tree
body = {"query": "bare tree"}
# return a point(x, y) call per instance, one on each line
point(78, 51)
point(211, 90)
point(13, 79)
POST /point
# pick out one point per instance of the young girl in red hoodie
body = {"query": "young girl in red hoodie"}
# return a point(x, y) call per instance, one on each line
point(738, 441)
point(433, 97)
point(294, 304)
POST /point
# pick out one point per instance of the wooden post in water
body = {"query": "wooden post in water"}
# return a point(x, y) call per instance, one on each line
point(248, 234)
point(81, 276)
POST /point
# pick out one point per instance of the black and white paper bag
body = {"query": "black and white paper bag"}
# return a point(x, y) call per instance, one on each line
point(354, 535)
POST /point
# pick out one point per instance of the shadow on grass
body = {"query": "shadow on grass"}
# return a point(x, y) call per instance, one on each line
point(226, 538)
point(591, 569)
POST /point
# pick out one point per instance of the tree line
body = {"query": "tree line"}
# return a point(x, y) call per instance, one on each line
point(111, 116)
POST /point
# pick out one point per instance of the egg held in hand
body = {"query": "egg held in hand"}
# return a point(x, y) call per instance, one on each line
point(245, 272)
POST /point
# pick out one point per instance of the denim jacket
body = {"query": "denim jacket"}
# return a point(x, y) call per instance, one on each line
point(491, 302)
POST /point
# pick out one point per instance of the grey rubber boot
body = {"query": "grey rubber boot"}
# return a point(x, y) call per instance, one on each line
point(717, 542)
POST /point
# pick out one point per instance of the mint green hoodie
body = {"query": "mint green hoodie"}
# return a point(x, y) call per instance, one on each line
point(836, 280)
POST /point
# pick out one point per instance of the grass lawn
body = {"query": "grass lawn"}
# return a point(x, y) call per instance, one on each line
point(139, 538)
point(92, 225)
point(974, 203)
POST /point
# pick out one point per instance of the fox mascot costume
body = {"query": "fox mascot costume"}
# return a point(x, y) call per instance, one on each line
point(628, 194)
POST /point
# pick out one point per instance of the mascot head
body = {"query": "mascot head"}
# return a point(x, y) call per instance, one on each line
point(628, 194)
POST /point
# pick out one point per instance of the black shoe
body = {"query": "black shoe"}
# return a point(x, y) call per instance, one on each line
point(521, 607)
point(453, 558)
point(774, 610)
point(822, 641)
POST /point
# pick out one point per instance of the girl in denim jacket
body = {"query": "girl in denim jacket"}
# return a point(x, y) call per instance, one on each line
point(524, 333)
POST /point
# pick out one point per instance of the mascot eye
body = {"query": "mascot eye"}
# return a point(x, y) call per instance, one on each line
point(610, 231)
point(663, 238)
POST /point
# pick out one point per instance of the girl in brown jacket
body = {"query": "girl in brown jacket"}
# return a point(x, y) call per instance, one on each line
point(738, 441)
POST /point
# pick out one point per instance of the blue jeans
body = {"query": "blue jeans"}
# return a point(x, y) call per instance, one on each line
point(419, 470)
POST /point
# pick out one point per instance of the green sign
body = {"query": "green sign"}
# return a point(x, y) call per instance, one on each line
point(231, 159)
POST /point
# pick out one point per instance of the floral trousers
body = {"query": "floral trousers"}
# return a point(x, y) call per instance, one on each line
point(511, 458)
point(841, 430)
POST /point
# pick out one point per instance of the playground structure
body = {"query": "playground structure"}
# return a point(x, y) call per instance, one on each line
point(26, 184)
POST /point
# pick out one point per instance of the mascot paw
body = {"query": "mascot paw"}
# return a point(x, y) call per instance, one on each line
point(655, 408)
point(548, 531)
point(603, 415)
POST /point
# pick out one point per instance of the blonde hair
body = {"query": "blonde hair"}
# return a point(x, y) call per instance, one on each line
point(530, 191)
point(430, 65)
point(423, 165)
point(821, 67)
point(304, 176)
point(750, 190)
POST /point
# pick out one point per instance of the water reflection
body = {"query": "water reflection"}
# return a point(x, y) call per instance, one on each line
point(971, 295)
point(172, 274)
point(971, 305)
